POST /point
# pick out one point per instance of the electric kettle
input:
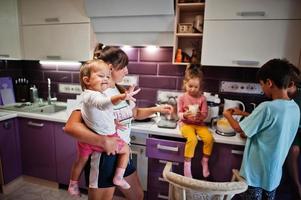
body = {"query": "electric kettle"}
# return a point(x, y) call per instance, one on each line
point(228, 103)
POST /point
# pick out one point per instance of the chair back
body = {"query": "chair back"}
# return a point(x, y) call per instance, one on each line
point(185, 188)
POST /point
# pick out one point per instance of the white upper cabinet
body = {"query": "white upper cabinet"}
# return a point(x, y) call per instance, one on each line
point(56, 30)
point(248, 33)
point(254, 9)
point(57, 42)
point(53, 11)
point(9, 31)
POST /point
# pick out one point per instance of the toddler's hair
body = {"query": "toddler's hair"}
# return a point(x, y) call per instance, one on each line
point(280, 71)
point(86, 69)
point(193, 71)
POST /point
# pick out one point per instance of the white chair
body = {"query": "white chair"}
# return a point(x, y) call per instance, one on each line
point(182, 188)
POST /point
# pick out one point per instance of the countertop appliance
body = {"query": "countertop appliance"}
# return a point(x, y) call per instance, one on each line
point(168, 97)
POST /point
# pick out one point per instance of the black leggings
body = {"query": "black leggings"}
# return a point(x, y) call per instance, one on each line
point(257, 193)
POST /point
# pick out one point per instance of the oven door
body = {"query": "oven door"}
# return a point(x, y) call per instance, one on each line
point(139, 160)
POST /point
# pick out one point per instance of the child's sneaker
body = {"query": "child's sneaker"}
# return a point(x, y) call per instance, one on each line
point(73, 188)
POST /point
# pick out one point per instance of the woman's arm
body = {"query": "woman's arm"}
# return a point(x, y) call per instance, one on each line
point(76, 128)
point(142, 113)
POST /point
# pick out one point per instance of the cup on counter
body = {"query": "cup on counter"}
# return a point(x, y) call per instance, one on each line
point(193, 108)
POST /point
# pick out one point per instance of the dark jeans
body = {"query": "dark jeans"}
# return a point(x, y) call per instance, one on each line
point(256, 193)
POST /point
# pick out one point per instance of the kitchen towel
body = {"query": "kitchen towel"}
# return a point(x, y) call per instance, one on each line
point(6, 91)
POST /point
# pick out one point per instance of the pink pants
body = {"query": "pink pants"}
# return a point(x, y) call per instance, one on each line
point(85, 150)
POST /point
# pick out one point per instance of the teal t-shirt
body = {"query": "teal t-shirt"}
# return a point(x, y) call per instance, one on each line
point(270, 130)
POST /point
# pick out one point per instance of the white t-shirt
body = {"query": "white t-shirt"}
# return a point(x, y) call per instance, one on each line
point(97, 112)
point(123, 113)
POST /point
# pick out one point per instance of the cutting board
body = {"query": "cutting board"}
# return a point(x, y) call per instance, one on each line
point(6, 91)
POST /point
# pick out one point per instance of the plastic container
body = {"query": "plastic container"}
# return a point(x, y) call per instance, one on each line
point(33, 94)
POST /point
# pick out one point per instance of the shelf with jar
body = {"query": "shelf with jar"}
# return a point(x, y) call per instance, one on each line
point(188, 31)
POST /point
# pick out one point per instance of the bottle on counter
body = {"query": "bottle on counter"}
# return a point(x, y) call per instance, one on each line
point(179, 55)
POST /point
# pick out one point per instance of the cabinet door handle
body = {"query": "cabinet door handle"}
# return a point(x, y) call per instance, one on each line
point(30, 123)
point(251, 14)
point(162, 179)
point(167, 148)
point(54, 57)
point(6, 125)
point(237, 152)
point(4, 55)
point(164, 162)
point(52, 19)
point(160, 196)
point(246, 62)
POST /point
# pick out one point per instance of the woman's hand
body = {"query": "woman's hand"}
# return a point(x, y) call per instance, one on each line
point(110, 145)
point(165, 109)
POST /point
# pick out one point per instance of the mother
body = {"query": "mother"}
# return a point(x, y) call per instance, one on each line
point(102, 165)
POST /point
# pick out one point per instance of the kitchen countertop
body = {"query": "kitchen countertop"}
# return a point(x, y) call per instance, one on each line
point(141, 127)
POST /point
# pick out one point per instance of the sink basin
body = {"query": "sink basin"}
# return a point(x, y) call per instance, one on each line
point(48, 109)
point(35, 108)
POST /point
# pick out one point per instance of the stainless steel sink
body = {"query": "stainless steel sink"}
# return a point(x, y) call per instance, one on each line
point(53, 108)
point(35, 108)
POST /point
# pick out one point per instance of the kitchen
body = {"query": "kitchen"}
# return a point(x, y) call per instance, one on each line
point(154, 67)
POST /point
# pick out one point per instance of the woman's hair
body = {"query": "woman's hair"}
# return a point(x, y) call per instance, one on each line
point(280, 71)
point(193, 71)
point(86, 69)
point(111, 55)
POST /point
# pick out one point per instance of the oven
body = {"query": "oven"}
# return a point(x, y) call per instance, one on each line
point(139, 159)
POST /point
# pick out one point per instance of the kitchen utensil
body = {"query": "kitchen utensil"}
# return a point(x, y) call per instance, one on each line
point(228, 103)
point(222, 127)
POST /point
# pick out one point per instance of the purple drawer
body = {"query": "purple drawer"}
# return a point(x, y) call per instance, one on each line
point(156, 180)
point(165, 149)
point(157, 165)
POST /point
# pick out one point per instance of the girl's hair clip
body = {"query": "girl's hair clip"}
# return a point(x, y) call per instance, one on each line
point(103, 46)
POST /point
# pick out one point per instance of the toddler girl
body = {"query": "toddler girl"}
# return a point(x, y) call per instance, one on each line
point(97, 113)
point(192, 110)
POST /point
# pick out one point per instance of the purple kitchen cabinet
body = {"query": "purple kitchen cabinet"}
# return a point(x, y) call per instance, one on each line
point(224, 158)
point(66, 152)
point(159, 152)
point(38, 148)
point(10, 150)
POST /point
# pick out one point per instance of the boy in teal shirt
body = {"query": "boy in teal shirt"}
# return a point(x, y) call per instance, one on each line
point(270, 130)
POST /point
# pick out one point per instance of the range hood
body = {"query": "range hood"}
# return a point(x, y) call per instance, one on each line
point(132, 22)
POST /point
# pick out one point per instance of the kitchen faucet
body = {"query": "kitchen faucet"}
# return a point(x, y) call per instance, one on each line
point(49, 99)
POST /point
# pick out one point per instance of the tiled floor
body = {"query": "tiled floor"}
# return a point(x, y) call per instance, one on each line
point(31, 191)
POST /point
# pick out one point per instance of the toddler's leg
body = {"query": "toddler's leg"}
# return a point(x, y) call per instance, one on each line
point(207, 138)
point(191, 142)
point(77, 168)
point(205, 167)
point(187, 167)
point(123, 159)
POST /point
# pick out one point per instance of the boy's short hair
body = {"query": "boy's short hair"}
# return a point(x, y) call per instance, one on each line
point(280, 71)
point(86, 68)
